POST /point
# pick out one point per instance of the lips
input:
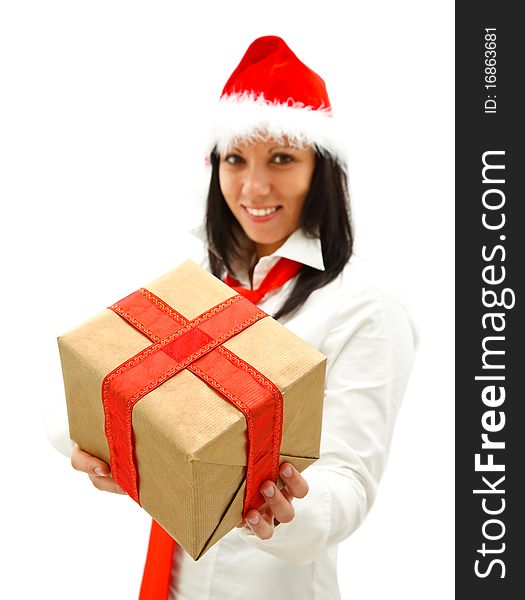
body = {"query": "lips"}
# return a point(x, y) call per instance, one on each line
point(261, 214)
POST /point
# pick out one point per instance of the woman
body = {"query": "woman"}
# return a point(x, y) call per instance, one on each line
point(277, 229)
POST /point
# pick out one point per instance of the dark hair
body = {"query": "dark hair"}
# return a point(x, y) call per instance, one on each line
point(326, 214)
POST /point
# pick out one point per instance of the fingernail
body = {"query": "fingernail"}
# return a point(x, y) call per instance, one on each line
point(269, 491)
point(287, 471)
point(99, 471)
point(254, 519)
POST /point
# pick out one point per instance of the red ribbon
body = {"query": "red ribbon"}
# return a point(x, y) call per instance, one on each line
point(164, 554)
point(283, 270)
point(195, 345)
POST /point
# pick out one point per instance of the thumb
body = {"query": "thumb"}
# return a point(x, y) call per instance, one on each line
point(82, 461)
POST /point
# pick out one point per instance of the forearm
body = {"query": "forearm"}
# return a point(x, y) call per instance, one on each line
point(336, 504)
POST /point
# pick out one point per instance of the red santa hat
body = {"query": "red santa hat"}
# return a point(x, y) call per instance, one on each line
point(272, 94)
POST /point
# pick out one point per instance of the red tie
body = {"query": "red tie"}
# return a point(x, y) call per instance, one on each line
point(283, 270)
point(164, 554)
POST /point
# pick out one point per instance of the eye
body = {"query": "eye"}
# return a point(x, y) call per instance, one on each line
point(233, 159)
point(282, 158)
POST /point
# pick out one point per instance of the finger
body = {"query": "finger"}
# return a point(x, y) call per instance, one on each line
point(287, 494)
point(280, 507)
point(106, 484)
point(261, 525)
point(82, 461)
point(295, 482)
point(262, 510)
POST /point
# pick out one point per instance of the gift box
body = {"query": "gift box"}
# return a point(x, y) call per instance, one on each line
point(194, 397)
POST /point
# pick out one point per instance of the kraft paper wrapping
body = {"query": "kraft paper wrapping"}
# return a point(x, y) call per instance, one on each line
point(190, 442)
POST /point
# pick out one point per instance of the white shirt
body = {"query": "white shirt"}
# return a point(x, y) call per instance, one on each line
point(361, 323)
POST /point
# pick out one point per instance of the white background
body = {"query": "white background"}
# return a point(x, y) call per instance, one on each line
point(103, 111)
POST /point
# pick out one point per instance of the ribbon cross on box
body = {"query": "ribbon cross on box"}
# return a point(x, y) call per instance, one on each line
point(196, 345)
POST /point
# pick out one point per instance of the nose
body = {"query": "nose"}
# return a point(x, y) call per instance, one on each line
point(256, 182)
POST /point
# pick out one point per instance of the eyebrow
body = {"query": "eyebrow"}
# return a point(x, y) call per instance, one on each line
point(288, 146)
point(279, 148)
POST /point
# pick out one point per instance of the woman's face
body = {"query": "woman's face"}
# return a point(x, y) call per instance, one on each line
point(265, 185)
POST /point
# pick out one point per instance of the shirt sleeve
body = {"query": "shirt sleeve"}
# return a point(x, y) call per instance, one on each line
point(57, 430)
point(370, 353)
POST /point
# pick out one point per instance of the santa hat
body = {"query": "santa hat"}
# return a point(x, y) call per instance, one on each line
point(272, 94)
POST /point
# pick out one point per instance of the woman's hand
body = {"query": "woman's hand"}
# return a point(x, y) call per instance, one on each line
point(278, 506)
point(97, 470)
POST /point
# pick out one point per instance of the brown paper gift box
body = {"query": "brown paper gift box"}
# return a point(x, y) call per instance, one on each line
point(190, 442)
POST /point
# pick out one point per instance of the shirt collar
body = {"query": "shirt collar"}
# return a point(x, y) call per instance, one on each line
point(298, 247)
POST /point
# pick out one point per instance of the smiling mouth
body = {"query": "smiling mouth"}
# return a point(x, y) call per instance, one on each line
point(261, 212)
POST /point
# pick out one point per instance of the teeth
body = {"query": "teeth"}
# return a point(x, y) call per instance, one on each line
point(261, 212)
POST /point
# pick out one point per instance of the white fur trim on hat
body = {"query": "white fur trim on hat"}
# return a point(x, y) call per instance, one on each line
point(246, 116)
